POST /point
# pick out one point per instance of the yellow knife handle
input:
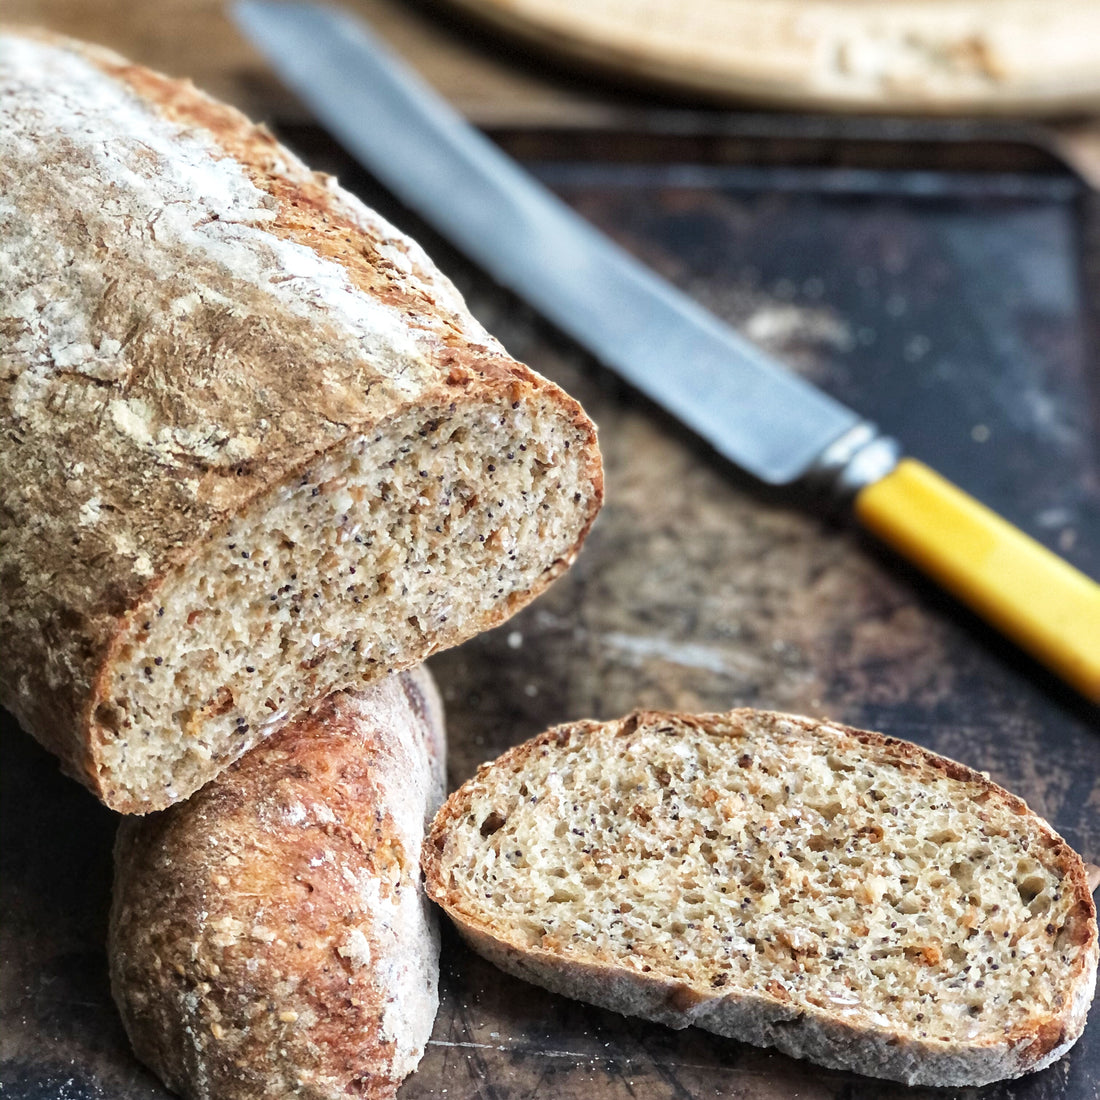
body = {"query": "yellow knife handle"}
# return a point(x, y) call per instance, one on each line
point(1028, 593)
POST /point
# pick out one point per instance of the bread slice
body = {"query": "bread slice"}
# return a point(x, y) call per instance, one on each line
point(841, 895)
point(269, 936)
point(255, 447)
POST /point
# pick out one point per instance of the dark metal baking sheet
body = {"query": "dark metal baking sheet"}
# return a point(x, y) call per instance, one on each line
point(939, 285)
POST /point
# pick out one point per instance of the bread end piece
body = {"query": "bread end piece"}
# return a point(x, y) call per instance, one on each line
point(837, 894)
point(269, 937)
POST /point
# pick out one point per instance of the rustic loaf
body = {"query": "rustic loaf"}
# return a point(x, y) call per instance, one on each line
point(841, 895)
point(255, 448)
point(269, 936)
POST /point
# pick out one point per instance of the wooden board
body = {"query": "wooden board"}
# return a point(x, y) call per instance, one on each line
point(924, 56)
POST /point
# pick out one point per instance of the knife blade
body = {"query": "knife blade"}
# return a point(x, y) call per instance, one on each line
point(752, 410)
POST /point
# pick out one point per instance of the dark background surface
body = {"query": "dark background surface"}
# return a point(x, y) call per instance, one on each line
point(950, 306)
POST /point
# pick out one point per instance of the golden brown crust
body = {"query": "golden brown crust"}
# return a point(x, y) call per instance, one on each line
point(269, 935)
point(196, 381)
point(766, 1014)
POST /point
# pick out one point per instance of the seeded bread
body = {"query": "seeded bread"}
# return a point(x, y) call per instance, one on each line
point(843, 896)
point(269, 936)
point(255, 448)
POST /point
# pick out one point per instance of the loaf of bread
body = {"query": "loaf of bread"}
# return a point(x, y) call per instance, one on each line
point(843, 896)
point(255, 448)
point(269, 936)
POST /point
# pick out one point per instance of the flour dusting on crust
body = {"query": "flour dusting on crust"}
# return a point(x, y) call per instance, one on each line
point(163, 191)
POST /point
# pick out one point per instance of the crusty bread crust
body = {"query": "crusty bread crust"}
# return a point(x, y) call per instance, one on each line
point(767, 1014)
point(167, 363)
point(269, 936)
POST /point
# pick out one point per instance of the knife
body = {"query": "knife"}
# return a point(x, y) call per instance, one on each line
point(749, 408)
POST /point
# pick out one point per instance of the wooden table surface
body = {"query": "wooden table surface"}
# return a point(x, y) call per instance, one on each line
point(962, 322)
point(489, 81)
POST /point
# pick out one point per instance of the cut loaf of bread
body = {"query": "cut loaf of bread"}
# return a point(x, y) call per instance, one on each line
point(841, 895)
point(269, 936)
point(255, 448)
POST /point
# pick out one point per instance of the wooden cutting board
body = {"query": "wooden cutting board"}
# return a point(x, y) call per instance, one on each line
point(925, 56)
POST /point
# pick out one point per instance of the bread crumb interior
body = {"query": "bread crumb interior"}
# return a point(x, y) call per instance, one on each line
point(383, 550)
point(815, 870)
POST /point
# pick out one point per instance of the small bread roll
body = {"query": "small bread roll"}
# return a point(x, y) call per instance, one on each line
point(269, 937)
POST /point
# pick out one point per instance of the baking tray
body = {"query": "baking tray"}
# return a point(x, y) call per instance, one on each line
point(938, 278)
